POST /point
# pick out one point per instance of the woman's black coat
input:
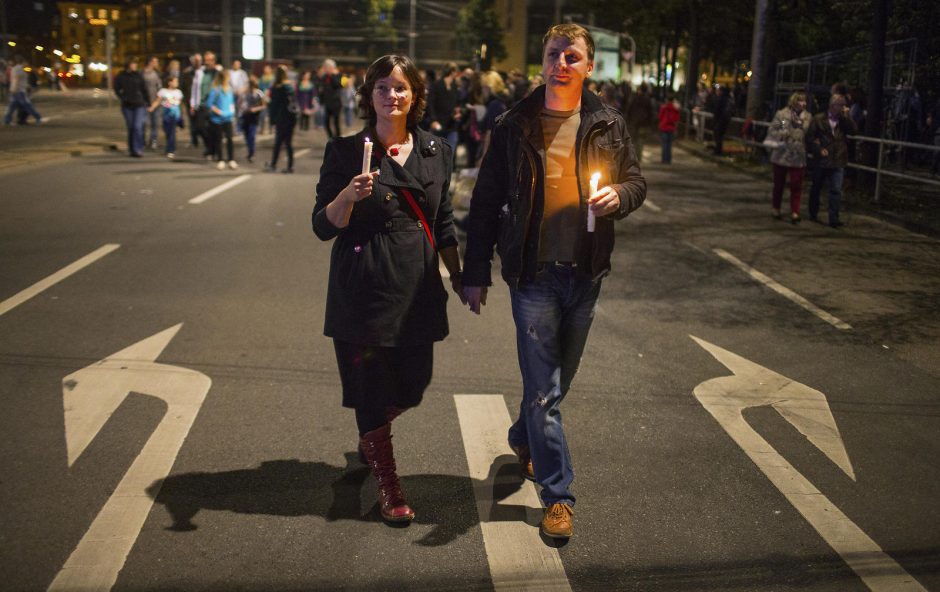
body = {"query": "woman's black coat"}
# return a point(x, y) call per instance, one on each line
point(385, 287)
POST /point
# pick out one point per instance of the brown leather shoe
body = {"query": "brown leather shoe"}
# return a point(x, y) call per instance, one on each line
point(525, 459)
point(556, 523)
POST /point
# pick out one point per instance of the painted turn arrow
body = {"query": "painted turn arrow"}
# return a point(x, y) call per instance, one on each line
point(807, 410)
point(91, 395)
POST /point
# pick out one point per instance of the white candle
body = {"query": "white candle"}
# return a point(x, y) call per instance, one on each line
point(595, 178)
point(366, 155)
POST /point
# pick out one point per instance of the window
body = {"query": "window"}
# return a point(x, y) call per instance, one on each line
point(102, 13)
point(89, 13)
point(115, 15)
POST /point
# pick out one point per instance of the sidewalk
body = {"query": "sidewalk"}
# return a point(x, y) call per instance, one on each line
point(910, 205)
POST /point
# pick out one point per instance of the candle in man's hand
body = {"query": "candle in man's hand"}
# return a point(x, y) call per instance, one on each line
point(595, 178)
point(366, 155)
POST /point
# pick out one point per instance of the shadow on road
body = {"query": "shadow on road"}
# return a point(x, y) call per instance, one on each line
point(295, 488)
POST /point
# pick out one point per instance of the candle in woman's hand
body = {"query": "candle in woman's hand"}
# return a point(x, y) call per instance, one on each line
point(595, 178)
point(366, 155)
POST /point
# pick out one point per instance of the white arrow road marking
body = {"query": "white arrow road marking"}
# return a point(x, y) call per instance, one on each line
point(517, 557)
point(91, 395)
point(649, 204)
point(55, 278)
point(782, 290)
point(302, 153)
point(217, 190)
point(806, 409)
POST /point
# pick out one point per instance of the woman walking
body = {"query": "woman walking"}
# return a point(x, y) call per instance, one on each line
point(306, 92)
point(788, 130)
point(386, 302)
point(221, 104)
point(252, 103)
point(282, 111)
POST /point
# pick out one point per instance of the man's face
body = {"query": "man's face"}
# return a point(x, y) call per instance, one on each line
point(236, 65)
point(210, 60)
point(565, 63)
point(836, 107)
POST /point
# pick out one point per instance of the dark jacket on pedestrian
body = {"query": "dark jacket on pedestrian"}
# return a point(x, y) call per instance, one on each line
point(442, 100)
point(385, 287)
point(640, 113)
point(283, 105)
point(329, 92)
point(508, 199)
point(130, 88)
point(820, 135)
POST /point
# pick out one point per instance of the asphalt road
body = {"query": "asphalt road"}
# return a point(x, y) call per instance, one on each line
point(264, 492)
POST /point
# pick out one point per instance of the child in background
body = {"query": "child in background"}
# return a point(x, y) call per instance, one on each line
point(170, 99)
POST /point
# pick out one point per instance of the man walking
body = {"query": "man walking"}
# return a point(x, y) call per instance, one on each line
point(555, 238)
point(826, 141)
point(129, 86)
point(186, 85)
point(19, 93)
point(154, 82)
point(330, 86)
point(202, 83)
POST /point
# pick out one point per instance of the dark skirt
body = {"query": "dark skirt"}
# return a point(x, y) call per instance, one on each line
point(374, 376)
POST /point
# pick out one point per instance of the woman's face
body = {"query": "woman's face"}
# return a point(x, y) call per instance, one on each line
point(392, 96)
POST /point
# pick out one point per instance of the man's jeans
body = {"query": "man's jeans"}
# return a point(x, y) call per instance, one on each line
point(553, 316)
point(155, 117)
point(834, 178)
point(667, 146)
point(135, 117)
point(20, 100)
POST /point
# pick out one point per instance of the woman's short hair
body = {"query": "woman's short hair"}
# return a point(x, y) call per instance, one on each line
point(381, 68)
point(796, 98)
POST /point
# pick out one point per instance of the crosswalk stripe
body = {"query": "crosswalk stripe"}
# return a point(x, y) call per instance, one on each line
point(217, 190)
point(517, 557)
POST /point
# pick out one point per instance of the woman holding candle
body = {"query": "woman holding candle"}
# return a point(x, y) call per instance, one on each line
point(383, 197)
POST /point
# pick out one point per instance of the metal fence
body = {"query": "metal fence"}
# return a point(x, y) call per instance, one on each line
point(892, 154)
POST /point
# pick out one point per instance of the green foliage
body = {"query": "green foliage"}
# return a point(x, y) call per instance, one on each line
point(379, 16)
point(478, 23)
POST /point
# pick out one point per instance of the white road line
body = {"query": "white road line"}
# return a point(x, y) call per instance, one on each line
point(649, 204)
point(55, 278)
point(303, 152)
point(517, 557)
point(782, 290)
point(223, 187)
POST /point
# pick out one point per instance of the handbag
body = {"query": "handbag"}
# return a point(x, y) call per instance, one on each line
point(771, 143)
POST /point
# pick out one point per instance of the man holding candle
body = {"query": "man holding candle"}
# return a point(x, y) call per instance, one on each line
point(534, 200)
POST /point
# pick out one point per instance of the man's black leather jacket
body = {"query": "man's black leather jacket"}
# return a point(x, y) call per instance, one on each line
point(508, 199)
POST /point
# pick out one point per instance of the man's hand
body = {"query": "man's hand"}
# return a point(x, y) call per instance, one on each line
point(604, 201)
point(475, 296)
point(457, 287)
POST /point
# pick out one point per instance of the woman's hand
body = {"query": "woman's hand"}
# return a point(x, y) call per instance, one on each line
point(359, 188)
point(457, 286)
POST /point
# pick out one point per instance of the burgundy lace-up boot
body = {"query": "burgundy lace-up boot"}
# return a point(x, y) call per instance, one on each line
point(390, 414)
point(377, 447)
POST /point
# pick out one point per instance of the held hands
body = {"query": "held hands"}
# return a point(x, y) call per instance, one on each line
point(604, 201)
point(475, 297)
point(457, 286)
point(360, 187)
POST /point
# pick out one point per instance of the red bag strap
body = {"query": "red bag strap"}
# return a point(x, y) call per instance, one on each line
point(414, 206)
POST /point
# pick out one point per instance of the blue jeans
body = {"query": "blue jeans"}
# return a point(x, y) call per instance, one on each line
point(834, 178)
point(20, 100)
point(553, 316)
point(251, 132)
point(169, 130)
point(667, 146)
point(154, 117)
point(135, 117)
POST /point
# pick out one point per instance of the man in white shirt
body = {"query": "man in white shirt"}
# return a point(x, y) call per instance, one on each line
point(19, 97)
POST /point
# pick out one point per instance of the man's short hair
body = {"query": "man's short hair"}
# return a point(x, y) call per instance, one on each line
point(837, 98)
point(571, 32)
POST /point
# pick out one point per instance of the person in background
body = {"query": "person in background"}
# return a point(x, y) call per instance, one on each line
point(330, 84)
point(129, 86)
point(202, 83)
point(551, 257)
point(172, 71)
point(168, 100)
point(265, 82)
point(639, 115)
point(386, 304)
point(348, 98)
point(19, 93)
point(306, 91)
point(283, 117)
point(724, 111)
point(221, 104)
point(186, 85)
point(238, 79)
point(250, 106)
point(153, 82)
point(826, 139)
point(443, 108)
point(788, 130)
point(668, 121)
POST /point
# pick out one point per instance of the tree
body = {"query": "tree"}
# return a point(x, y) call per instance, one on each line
point(478, 25)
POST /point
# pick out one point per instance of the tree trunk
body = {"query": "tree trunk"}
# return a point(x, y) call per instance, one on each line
point(675, 55)
point(692, 75)
point(879, 32)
